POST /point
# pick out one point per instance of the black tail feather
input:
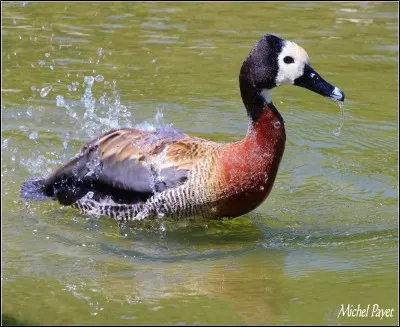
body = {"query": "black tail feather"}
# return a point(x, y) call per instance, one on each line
point(34, 189)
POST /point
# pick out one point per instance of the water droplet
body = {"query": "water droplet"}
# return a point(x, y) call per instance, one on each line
point(44, 91)
point(33, 136)
point(89, 80)
point(60, 101)
point(99, 78)
point(337, 130)
point(4, 145)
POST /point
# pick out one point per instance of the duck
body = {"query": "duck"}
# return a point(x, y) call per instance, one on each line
point(131, 174)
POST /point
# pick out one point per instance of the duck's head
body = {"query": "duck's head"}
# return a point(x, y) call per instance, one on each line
point(275, 62)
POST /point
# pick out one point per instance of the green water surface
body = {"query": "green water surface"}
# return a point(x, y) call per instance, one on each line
point(328, 233)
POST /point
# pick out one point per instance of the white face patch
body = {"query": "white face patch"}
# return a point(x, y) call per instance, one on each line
point(287, 73)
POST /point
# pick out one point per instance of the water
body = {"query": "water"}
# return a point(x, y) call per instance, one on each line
point(338, 130)
point(45, 91)
point(328, 233)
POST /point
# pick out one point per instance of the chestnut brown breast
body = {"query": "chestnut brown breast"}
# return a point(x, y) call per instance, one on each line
point(247, 169)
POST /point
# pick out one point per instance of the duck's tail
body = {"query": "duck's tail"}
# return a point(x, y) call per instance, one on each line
point(34, 189)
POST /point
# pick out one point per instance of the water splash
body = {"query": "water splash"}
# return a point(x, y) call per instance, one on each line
point(157, 123)
point(159, 118)
point(92, 121)
point(60, 102)
point(100, 54)
point(94, 115)
point(338, 130)
point(118, 114)
point(99, 78)
point(46, 90)
point(73, 87)
point(4, 144)
point(88, 99)
point(33, 135)
point(94, 166)
point(39, 164)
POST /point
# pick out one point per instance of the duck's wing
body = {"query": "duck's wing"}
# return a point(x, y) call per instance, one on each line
point(130, 160)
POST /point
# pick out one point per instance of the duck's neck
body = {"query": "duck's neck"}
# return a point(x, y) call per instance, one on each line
point(267, 133)
point(266, 123)
point(249, 166)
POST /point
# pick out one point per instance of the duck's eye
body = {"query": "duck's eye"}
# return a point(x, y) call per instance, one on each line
point(288, 60)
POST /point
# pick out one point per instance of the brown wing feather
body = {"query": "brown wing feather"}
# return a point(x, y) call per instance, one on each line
point(134, 160)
